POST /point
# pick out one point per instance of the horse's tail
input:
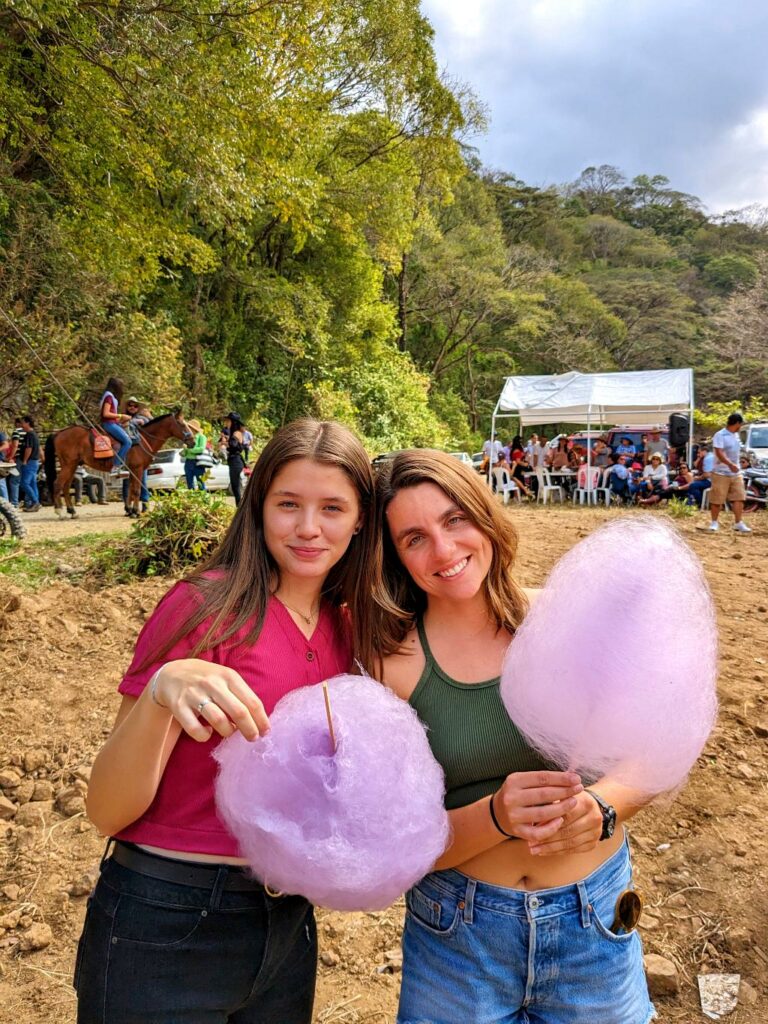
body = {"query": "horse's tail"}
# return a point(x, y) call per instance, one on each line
point(50, 461)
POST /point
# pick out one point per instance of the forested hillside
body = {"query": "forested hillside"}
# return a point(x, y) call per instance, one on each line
point(275, 206)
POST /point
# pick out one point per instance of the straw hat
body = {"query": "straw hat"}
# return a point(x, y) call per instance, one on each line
point(195, 424)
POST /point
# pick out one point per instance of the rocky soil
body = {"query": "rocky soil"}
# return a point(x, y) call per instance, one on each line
point(701, 863)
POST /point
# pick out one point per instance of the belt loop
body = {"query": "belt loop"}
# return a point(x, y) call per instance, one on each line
point(218, 888)
point(586, 906)
point(469, 901)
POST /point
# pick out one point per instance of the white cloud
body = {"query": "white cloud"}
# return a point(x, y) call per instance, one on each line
point(674, 87)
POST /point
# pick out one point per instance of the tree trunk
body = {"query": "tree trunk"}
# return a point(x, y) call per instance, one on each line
point(402, 301)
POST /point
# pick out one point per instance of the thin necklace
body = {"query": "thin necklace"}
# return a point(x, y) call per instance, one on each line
point(306, 618)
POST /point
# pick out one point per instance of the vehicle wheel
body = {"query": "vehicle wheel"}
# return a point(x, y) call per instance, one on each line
point(10, 521)
point(750, 505)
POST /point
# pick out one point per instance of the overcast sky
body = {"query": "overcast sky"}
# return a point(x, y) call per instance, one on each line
point(673, 87)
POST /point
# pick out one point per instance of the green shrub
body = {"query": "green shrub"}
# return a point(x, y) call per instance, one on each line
point(679, 508)
point(181, 529)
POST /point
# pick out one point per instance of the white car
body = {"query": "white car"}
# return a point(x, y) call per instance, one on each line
point(462, 457)
point(166, 473)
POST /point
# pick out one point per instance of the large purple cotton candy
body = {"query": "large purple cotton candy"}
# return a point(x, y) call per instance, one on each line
point(613, 670)
point(350, 830)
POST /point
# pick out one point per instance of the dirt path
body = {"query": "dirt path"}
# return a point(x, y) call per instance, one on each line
point(701, 863)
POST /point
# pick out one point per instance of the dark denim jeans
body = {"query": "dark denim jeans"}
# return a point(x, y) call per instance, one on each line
point(156, 952)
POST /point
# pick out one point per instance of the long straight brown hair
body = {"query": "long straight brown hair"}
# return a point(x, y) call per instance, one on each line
point(399, 602)
point(237, 580)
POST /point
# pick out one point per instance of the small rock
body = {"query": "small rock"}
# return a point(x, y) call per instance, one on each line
point(11, 920)
point(760, 729)
point(70, 802)
point(747, 994)
point(329, 958)
point(8, 809)
point(34, 759)
point(677, 900)
point(43, 791)
point(741, 851)
point(663, 847)
point(12, 891)
point(34, 814)
point(84, 885)
point(9, 779)
point(394, 959)
point(663, 979)
point(83, 773)
point(37, 936)
point(23, 792)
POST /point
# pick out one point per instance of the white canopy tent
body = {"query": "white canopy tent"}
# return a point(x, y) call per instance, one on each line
point(598, 399)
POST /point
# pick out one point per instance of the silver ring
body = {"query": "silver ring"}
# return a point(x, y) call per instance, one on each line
point(201, 705)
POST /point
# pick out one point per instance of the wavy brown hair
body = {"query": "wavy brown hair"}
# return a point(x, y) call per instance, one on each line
point(398, 601)
point(235, 583)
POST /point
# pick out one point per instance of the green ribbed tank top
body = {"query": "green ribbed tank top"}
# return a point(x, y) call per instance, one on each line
point(470, 732)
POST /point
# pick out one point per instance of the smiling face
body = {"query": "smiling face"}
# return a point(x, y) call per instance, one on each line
point(310, 515)
point(445, 554)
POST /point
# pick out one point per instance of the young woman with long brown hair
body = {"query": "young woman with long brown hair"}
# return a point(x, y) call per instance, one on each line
point(514, 922)
point(176, 930)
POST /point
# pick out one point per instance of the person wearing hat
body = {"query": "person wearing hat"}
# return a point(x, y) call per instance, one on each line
point(655, 481)
point(195, 458)
point(235, 441)
point(656, 444)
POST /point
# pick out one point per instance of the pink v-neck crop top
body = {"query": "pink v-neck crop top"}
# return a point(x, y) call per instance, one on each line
point(183, 814)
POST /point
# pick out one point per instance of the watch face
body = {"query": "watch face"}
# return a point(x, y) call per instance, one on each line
point(609, 823)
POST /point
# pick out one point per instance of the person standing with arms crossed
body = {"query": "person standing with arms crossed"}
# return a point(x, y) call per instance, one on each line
point(727, 481)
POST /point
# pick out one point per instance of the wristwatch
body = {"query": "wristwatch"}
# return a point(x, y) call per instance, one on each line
point(609, 815)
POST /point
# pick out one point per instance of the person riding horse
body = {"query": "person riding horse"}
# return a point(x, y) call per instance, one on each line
point(111, 419)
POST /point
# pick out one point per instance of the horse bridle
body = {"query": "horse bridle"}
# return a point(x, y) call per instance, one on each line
point(187, 436)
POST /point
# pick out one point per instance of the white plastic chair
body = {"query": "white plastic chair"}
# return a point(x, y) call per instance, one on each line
point(705, 499)
point(505, 485)
point(584, 493)
point(547, 488)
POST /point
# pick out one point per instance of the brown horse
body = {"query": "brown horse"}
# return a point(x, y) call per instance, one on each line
point(73, 446)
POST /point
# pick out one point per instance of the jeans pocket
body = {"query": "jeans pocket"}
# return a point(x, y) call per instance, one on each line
point(604, 907)
point(438, 912)
point(141, 922)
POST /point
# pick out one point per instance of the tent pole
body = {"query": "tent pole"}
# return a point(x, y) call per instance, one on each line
point(690, 425)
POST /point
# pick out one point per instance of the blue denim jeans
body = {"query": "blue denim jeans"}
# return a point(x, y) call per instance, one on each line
point(3, 489)
point(475, 953)
point(116, 431)
point(14, 483)
point(158, 952)
point(143, 490)
point(29, 482)
point(193, 474)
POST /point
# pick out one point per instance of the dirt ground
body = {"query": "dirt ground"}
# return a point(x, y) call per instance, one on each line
point(701, 863)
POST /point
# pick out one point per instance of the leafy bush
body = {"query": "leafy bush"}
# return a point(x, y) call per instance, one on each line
point(181, 529)
point(679, 508)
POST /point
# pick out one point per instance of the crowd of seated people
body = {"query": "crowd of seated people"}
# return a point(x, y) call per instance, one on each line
point(642, 477)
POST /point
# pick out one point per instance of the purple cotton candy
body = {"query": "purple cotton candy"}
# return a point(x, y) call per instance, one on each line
point(350, 830)
point(613, 670)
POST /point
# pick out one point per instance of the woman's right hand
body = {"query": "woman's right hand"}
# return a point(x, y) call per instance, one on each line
point(533, 805)
point(228, 702)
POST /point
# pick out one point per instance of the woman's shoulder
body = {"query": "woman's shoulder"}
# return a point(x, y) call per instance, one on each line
point(402, 670)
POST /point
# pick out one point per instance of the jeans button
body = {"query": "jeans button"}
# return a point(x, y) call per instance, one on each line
point(534, 902)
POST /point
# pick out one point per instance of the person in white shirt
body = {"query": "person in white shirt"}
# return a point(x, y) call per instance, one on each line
point(491, 452)
point(727, 481)
point(654, 481)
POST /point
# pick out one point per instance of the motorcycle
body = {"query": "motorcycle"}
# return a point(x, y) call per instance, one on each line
point(10, 519)
point(756, 486)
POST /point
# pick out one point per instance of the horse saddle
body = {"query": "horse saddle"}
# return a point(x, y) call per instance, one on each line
point(102, 445)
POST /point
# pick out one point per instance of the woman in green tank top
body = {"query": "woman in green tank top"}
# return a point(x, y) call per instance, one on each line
point(516, 921)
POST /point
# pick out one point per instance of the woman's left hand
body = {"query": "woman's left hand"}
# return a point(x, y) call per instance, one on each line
point(580, 831)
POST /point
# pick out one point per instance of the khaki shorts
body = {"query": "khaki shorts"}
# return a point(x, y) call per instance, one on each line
point(726, 488)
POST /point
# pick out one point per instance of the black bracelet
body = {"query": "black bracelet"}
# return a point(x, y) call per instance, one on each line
point(495, 820)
